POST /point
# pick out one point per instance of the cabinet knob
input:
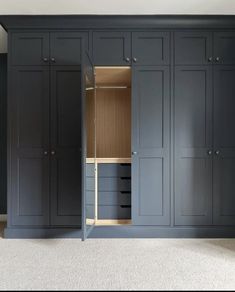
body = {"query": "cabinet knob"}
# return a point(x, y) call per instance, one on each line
point(135, 60)
point(53, 60)
point(45, 153)
point(217, 59)
point(217, 152)
point(210, 59)
point(127, 60)
point(52, 152)
point(209, 152)
point(134, 152)
point(45, 60)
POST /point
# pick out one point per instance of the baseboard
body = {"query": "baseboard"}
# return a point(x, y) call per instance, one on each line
point(3, 218)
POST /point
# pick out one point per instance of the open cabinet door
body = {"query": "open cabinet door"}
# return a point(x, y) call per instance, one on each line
point(88, 149)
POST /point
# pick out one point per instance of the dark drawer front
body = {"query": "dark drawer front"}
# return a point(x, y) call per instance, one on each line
point(114, 212)
point(114, 198)
point(114, 170)
point(113, 184)
point(90, 169)
point(90, 184)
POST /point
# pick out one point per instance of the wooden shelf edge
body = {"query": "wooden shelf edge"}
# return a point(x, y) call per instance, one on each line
point(108, 160)
point(107, 222)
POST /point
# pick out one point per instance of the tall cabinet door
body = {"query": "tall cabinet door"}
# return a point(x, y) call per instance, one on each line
point(224, 145)
point(193, 145)
point(66, 145)
point(150, 146)
point(28, 124)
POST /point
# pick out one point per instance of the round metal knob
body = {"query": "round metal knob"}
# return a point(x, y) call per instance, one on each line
point(45, 60)
point(210, 59)
point(53, 152)
point(134, 153)
point(217, 152)
point(53, 60)
point(209, 152)
point(135, 60)
point(217, 59)
point(127, 60)
point(45, 153)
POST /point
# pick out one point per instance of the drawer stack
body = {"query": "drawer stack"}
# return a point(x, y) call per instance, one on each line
point(114, 191)
point(90, 190)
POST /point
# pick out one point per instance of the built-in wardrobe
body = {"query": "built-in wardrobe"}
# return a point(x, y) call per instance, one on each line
point(121, 126)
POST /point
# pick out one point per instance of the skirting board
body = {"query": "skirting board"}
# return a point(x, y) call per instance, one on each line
point(3, 218)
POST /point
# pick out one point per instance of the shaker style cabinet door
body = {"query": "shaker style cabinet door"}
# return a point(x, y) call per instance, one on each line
point(150, 146)
point(66, 47)
point(224, 48)
point(29, 49)
point(224, 146)
point(65, 145)
point(193, 48)
point(193, 145)
point(150, 48)
point(28, 108)
point(111, 48)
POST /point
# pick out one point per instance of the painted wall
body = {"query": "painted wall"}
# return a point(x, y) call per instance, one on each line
point(117, 7)
point(3, 41)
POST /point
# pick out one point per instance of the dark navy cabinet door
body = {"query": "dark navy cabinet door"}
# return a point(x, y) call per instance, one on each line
point(224, 47)
point(193, 145)
point(224, 146)
point(65, 146)
point(111, 48)
point(66, 47)
point(150, 48)
point(28, 108)
point(150, 146)
point(193, 48)
point(29, 48)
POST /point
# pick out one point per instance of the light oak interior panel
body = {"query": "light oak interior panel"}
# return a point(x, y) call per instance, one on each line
point(113, 76)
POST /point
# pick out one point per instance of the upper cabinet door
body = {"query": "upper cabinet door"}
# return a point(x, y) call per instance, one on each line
point(193, 48)
point(150, 48)
point(29, 49)
point(224, 48)
point(66, 47)
point(111, 48)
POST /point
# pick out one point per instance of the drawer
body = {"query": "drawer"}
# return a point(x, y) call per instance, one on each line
point(114, 198)
point(113, 184)
point(90, 211)
point(90, 169)
point(90, 197)
point(114, 170)
point(114, 212)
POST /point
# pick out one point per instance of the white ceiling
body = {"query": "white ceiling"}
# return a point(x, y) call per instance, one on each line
point(117, 6)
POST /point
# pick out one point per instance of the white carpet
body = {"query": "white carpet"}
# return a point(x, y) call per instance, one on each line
point(122, 264)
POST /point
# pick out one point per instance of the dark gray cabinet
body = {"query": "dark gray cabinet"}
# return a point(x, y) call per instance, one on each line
point(224, 146)
point(150, 145)
point(150, 48)
point(28, 110)
point(29, 48)
point(193, 48)
point(224, 46)
point(193, 145)
point(111, 48)
point(65, 145)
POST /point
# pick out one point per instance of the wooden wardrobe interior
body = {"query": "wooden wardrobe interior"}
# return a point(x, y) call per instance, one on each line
point(108, 113)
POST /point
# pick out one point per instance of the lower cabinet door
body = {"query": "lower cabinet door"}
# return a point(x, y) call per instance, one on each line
point(28, 117)
point(193, 145)
point(65, 146)
point(224, 146)
point(150, 146)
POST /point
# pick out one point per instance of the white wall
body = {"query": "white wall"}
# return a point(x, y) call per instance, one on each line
point(3, 41)
point(117, 7)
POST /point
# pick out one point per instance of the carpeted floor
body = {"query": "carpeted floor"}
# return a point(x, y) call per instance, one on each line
point(119, 264)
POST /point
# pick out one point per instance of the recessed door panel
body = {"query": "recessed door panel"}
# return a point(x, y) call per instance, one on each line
point(150, 48)
point(193, 145)
point(65, 146)
point(111, 48)
point(193, 48)
point(224, 47)
point(150, 146)
point(224, 146)
point(29, 49)
point(29, 135)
